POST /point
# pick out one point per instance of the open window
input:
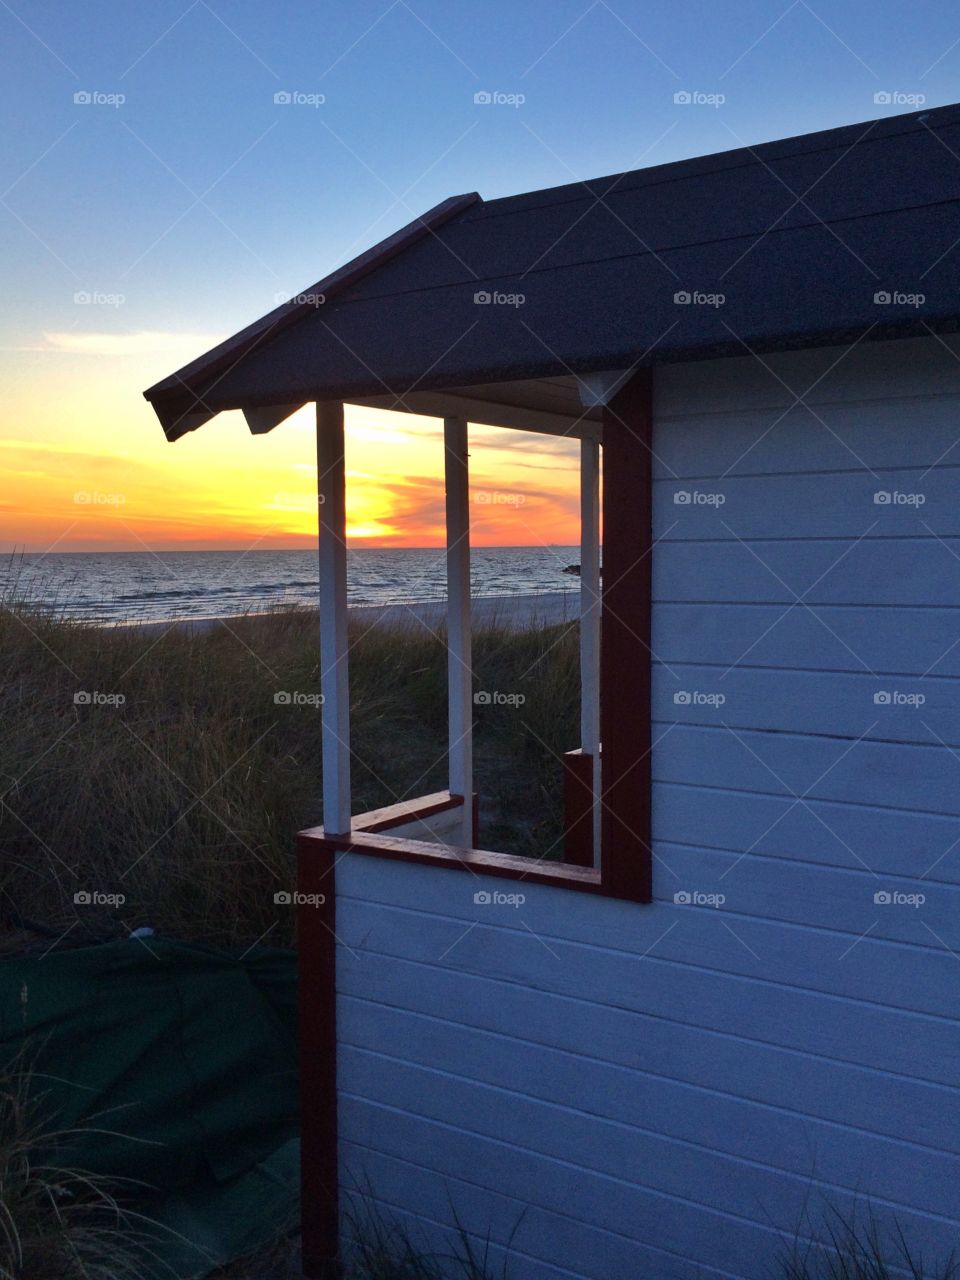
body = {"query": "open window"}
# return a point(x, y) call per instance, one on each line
point(606, 795)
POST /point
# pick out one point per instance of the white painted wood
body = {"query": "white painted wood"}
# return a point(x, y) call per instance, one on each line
point(854, 503)
point(600, 388)
point(334, 683)
point(492, 413)
point(444, 828)
point(614, 1090)
point(590, 620)
point(459, 658)
point(549, 1132)
point(850, 373)
point(778, 439)
point(806, 1091)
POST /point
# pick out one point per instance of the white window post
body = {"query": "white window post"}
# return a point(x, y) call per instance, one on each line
point(459, 664)
point(334, 685)
point(590, 620)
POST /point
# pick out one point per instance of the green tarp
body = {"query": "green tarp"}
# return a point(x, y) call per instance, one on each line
point(186, 1057)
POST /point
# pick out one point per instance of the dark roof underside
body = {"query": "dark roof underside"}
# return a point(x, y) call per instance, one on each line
point(798, 236)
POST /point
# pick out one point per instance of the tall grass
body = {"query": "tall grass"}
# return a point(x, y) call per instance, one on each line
point(857, 1245)
point(59, 1222)
point(177, 780)
point(379, 1246)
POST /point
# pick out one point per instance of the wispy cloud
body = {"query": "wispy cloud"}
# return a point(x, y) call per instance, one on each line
point(122, 344)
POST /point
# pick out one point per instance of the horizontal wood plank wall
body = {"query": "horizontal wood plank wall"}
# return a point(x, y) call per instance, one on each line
point(611, 1090)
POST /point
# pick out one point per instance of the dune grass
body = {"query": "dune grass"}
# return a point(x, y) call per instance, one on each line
point(58, 1222)
point(167, 768)
point(858, 1245)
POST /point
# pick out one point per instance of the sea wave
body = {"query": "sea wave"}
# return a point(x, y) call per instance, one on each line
point(122, 586)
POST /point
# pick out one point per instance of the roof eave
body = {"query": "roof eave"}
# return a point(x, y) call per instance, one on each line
point(180, 415)
point(178, 400)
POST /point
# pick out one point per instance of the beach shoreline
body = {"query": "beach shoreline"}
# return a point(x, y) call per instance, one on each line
point(512, 613)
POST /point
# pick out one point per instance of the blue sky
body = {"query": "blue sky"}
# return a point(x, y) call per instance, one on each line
point(294, 189)
point(185, 200)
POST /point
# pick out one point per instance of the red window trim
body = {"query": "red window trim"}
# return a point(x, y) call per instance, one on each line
point(625, 634)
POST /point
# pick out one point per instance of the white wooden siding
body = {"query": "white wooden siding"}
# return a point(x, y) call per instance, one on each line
point(616, 1090)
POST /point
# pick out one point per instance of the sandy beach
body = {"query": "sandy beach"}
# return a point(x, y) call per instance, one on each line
point(513, 613)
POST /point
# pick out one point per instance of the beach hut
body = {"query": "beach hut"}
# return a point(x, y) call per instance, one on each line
point(736, 1002)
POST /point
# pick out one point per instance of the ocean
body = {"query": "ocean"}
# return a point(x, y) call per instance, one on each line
point(122, 586)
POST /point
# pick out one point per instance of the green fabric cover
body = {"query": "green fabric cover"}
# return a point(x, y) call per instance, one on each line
point(186, 1057)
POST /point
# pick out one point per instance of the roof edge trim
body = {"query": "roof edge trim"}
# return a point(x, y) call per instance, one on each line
point(177, 399)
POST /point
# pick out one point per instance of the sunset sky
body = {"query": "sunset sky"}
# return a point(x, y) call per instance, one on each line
point(183, 201)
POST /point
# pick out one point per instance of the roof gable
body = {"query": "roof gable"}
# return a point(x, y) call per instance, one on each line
point(784, 244)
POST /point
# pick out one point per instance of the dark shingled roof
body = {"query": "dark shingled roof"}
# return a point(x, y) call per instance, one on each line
point(797, 235)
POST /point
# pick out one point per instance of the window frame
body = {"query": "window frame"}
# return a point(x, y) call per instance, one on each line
point(624, 866)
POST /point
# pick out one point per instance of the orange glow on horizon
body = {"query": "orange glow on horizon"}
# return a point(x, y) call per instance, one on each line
point(92, 472)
